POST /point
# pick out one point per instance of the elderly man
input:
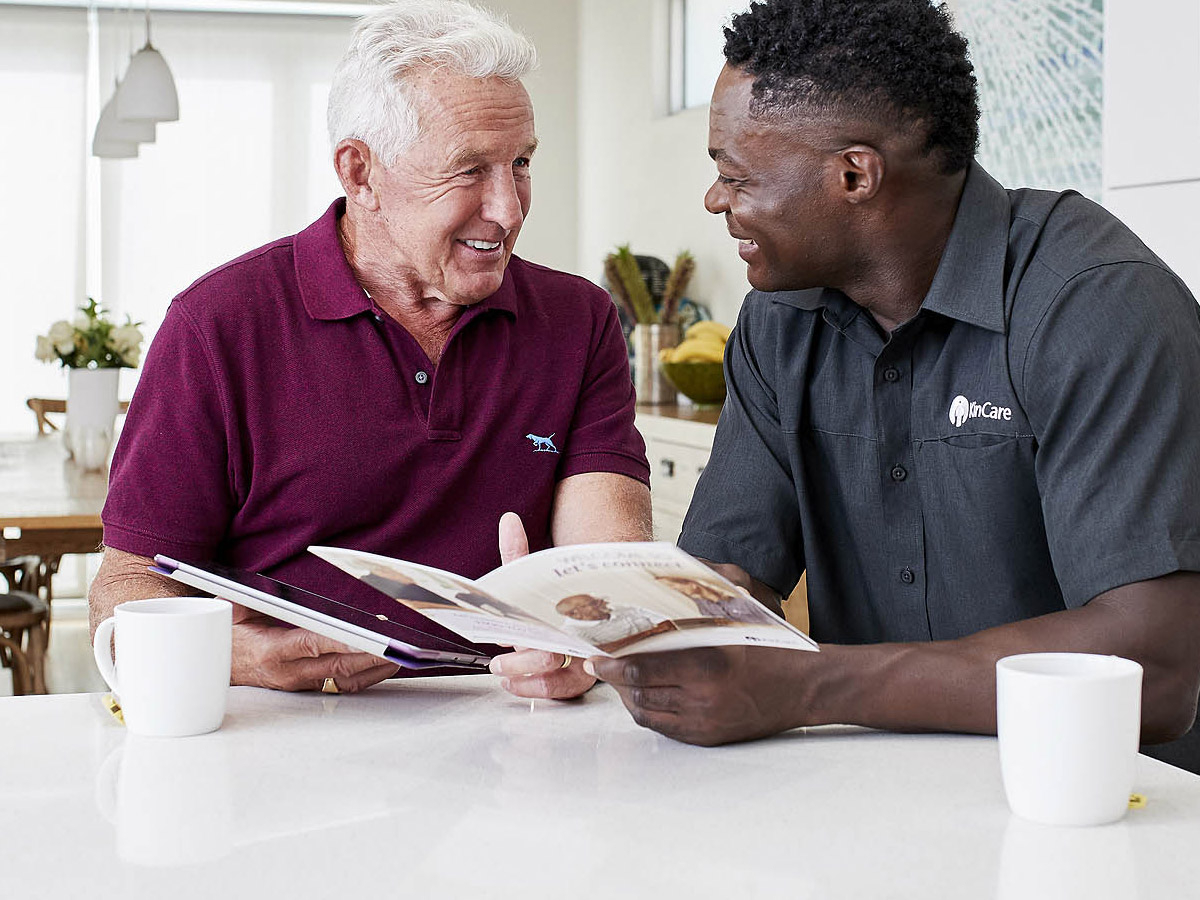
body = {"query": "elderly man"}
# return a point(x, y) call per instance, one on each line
point(370, 381)
point(970, 413)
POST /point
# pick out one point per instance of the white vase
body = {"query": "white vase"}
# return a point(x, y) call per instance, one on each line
point(92, 408)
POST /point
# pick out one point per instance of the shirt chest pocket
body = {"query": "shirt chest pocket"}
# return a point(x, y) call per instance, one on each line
point(975, 419)
point(980, 480)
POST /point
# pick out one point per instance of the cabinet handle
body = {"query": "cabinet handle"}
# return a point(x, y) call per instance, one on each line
point(666, 468)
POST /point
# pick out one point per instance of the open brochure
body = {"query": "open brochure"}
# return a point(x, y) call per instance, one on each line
point(584, 600)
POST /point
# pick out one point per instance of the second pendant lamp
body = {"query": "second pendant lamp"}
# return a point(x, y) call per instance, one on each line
point(147, 93)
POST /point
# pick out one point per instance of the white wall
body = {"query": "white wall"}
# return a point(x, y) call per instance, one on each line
point(550, 235)
point(643, 174)
point(1152, 126)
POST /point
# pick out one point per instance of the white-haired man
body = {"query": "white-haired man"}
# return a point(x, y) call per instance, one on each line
point(370, 381)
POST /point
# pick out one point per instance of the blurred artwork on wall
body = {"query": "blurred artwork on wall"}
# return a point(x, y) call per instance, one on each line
point(1040, 69)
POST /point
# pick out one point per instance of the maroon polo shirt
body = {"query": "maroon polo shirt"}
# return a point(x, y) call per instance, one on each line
point(279, 408)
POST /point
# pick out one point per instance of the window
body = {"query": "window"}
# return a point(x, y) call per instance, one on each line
point(697, 40)
point(43, 81)
point(247, 162)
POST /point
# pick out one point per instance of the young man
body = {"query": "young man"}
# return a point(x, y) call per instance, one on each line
point(969, 413)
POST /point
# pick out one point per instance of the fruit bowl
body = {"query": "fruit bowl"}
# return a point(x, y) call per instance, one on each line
point(700, 382)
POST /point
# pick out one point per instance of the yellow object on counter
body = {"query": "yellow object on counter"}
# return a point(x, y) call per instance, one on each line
point(113, 707)
point(702, 342)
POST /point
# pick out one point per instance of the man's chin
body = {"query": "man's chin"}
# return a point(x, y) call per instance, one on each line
point(769, 282)
point(761, 280)
point(475, 288)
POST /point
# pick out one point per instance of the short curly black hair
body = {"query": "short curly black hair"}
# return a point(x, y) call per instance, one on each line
point(900, 60)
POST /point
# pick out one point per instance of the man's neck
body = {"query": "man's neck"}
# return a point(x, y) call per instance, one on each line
point(902, 257)
point(396, 290)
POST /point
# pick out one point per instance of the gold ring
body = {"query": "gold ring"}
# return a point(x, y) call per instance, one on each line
point(567, 660)
point(330, 686)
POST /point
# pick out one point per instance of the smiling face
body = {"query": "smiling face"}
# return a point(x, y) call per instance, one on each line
point(775, 187)
point(452, 206)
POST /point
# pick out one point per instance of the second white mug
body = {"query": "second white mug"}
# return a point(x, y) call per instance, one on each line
point(173, 656)
point(1068, 725)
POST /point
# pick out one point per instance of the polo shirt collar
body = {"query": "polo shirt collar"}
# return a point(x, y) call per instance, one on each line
point(327, 283)
point(969, 282)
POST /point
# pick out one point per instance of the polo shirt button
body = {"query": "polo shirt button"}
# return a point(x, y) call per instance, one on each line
point(899, 473)
point(422, 377)
point(907, 576)
point(891, 373)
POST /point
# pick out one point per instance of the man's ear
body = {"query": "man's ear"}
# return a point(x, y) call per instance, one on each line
point(861, 172)
point(353, 161)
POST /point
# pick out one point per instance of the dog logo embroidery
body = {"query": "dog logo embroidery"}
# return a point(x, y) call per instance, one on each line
point(542, 444)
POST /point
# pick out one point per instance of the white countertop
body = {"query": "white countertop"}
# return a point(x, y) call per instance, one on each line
point(433, 788)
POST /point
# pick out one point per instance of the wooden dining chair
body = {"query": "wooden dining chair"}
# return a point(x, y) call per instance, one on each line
point(24, 633)
point(41, 406)
point(44, 406)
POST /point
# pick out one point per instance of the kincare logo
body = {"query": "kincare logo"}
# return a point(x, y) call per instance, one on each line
point(962, 409)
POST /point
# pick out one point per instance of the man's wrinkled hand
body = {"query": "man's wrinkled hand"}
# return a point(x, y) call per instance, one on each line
point(271, 655)
point(534, 673)
point(708, 695)
point(541, 674)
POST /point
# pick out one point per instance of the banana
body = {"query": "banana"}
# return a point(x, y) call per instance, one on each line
point(707, 329)
point(696, 350)
point(702, 342)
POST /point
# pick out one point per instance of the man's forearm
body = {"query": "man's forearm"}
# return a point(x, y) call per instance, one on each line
point(600, 506)
point(951, 685)
point(124, 576)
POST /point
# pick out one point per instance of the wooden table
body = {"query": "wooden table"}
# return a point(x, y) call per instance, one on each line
point(49, 506)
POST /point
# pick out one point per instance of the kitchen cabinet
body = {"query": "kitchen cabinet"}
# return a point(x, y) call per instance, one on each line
point(679, 441)
point(1151, 92)
point(1152, 126)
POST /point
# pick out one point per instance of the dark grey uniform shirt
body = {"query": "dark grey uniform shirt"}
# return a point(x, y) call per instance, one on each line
point(1029, 440)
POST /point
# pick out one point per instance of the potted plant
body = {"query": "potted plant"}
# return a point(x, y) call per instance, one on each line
point(93, 350)
point(656, 318)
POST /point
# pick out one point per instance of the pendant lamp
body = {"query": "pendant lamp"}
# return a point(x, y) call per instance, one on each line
point(110, 129)
point(148, 92)
point(106, 148)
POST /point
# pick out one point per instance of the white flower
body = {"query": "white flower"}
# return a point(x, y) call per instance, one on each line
point(45, 349)
point(131, 357)
point(82, 322)
point(62, 336)
point(126, 338)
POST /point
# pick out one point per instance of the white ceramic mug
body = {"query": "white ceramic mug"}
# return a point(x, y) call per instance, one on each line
point(172, 663)
point(1068, 726)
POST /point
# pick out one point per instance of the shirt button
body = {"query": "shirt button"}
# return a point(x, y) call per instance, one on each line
point(422, 377)
point(907, 576)
point(891, 373)
point(899, 473)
